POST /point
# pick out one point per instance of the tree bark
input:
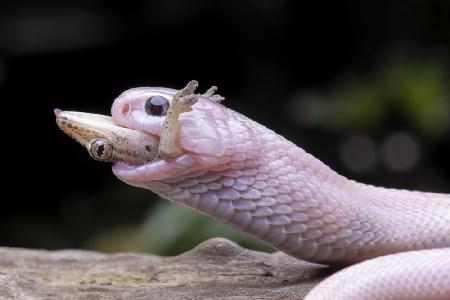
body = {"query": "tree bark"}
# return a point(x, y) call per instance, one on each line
point(215, 269)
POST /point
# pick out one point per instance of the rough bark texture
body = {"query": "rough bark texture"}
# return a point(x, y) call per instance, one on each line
point(216, 269)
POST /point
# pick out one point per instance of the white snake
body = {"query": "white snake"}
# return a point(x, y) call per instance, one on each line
point(238, 171)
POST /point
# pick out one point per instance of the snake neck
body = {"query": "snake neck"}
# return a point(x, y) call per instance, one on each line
point(285, 197)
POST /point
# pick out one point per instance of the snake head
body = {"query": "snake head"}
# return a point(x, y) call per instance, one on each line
point(159, 133)
point(208, 133)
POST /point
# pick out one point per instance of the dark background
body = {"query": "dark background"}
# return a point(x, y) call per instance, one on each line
point(364, 86)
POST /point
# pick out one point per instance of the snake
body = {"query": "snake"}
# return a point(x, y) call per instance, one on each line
point(191, 149)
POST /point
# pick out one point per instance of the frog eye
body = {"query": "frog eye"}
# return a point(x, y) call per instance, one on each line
point(101, 150)
point(156, 106)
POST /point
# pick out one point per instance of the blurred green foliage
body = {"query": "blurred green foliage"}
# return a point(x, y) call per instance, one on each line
point(170, 229)
point(417, 91)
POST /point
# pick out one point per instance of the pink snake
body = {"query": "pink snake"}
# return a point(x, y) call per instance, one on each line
point(241, 173)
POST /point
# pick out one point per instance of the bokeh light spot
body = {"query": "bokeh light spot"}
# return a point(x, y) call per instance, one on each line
point(359, 153)
point(400, 152)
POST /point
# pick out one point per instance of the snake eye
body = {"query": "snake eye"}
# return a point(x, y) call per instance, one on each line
point(101, 150)
point(156, 106)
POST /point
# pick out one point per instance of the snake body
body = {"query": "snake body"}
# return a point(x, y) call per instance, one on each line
point(244, 174)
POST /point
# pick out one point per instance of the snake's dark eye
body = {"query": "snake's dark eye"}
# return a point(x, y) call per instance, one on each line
point(101, 150)
point(156, 106)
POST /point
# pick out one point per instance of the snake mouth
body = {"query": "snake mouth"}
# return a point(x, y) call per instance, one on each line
point(107, 141)
point(157, 170)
